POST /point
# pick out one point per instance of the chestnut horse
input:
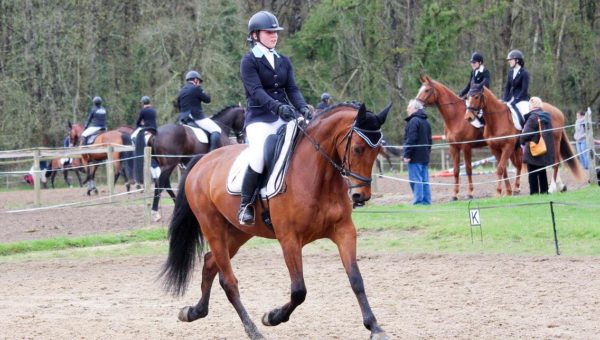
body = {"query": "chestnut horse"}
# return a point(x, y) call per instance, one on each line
point(458, 131)
point(112, 137)
point(335, 155)
point(176, 140)
point(498, 123)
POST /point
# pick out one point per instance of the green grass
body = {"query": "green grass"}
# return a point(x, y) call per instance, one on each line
point(508, 225)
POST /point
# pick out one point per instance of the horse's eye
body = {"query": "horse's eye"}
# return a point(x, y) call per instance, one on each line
point(358, 149)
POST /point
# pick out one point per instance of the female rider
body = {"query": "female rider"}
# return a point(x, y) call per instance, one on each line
point(272, 99)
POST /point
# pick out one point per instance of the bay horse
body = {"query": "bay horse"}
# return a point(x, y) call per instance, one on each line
point(334, 155)
point(460, 134)
point(174, 140)
point(112, 137)
point(498, 123)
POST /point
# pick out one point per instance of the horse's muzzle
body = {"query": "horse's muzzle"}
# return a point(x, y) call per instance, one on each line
point(359, 199)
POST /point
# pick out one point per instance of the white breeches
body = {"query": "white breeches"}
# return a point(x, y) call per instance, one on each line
point(523, 106)
point(257, 134)
point(208, 125)
point(90, 131)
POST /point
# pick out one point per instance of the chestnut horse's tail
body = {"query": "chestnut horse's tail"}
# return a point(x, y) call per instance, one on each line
point(185, 242)
point(566, 152)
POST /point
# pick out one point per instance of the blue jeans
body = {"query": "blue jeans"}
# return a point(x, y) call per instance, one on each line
point(418, 174)
point(581, 146)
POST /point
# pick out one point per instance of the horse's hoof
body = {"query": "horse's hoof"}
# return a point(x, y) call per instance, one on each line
point(564, 189)
point(89, 192)
point(516, 192)
point(155, 216)
point(128, 187)
point(265, 320)
point(454, 198)
point(380, 336)
point(183, 314)
point(95, 191)
point(470, 197)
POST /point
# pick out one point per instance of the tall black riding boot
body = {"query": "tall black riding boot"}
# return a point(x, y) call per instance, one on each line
point(246, 213)
point(215, 141)
point(519, 115)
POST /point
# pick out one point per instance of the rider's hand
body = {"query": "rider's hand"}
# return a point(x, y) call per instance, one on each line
point(306, 112)
point(286, 112)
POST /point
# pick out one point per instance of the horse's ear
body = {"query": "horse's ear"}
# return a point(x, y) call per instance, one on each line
point(69, 124)
point(362, 114)
point(422, 77)
point(383, 114)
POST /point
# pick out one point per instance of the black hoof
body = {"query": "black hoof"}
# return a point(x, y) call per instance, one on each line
point(470, 197)
point(454, 198)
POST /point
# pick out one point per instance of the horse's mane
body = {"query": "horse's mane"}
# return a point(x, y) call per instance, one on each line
point(446, 88)
point(334, 108)
point(223, 110)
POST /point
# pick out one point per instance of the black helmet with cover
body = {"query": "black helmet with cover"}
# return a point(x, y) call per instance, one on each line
point(263, 21)
point(477, 57)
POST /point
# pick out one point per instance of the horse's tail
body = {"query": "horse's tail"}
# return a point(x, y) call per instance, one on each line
point(138, 164)
point(394, 150)
point(126, 156)
point(566, 152)
point(185, 240)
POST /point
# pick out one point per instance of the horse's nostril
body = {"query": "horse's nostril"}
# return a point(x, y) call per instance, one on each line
point(356, 197)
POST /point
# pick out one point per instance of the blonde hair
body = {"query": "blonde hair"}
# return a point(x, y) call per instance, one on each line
point(535, 103)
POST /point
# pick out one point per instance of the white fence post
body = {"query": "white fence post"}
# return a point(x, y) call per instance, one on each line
point(37, 185)
point(147, 182)
point(589, 141)
point(110, 172)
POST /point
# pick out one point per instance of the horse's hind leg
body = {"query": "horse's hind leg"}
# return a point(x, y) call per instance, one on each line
point(345, 239)
point(209, 271)
point(517, 160)
point(455, 155)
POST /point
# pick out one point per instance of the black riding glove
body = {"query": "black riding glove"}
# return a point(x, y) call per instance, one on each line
point(286, 112)
point(306, 112)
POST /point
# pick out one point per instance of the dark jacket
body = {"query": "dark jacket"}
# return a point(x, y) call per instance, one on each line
point(417, 132)
point(147, 118)
point(517, 87)
point(97, 117)
point(531, 126)
point(189, 101)
point(322, 106)
point(267, 88)
point(481, 78)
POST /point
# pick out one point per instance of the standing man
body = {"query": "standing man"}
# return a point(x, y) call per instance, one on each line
point(189, 101)
point(417, 147)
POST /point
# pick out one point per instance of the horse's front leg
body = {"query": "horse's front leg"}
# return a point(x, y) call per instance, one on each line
point(517, 160)
point(506, 153)
point(292, 252)
point(345, 239)
point(455, 155)
point(469, 171)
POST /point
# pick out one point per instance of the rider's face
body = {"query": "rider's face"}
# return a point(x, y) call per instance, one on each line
point(475, 65)
point(268, 38)
point(512, 62)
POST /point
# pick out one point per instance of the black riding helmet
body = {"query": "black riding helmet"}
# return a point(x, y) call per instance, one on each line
point(263, 21)
point(145, 100)
point(517, 55)
point(97, 101)
point(477, 57)
point(191, 75)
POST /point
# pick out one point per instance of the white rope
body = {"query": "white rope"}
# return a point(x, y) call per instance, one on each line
point(485, 182)
point(72, 203)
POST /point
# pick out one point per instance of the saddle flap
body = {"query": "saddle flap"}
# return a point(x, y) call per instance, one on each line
point(278, 154)
point(523, 106)
point(199, 133)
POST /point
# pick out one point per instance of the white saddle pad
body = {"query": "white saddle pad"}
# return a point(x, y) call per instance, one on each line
point(200, 134)
point(524, 108)
point(275, 183)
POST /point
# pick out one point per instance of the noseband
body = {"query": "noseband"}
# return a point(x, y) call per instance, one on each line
point(344, 168)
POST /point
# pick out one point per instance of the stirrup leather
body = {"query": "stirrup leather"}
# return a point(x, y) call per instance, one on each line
point(246, 215)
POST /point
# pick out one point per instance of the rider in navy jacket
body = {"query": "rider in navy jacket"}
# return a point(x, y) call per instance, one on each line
point(189, 101)
point(267, 88)
point(479, 74)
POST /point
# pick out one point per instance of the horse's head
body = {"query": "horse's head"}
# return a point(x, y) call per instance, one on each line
point(232, 117)
point(475, 102)
point(427, 93)
point(75, 131)
point(358, 150)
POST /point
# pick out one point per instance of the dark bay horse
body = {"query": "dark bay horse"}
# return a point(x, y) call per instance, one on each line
point(57, 165)
point(331, 158)
point(173, 140)
point(498, 123)
point(458, 131)
point(112, 137)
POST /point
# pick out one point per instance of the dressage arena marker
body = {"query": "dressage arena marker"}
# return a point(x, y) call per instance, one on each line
point(475, 220)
